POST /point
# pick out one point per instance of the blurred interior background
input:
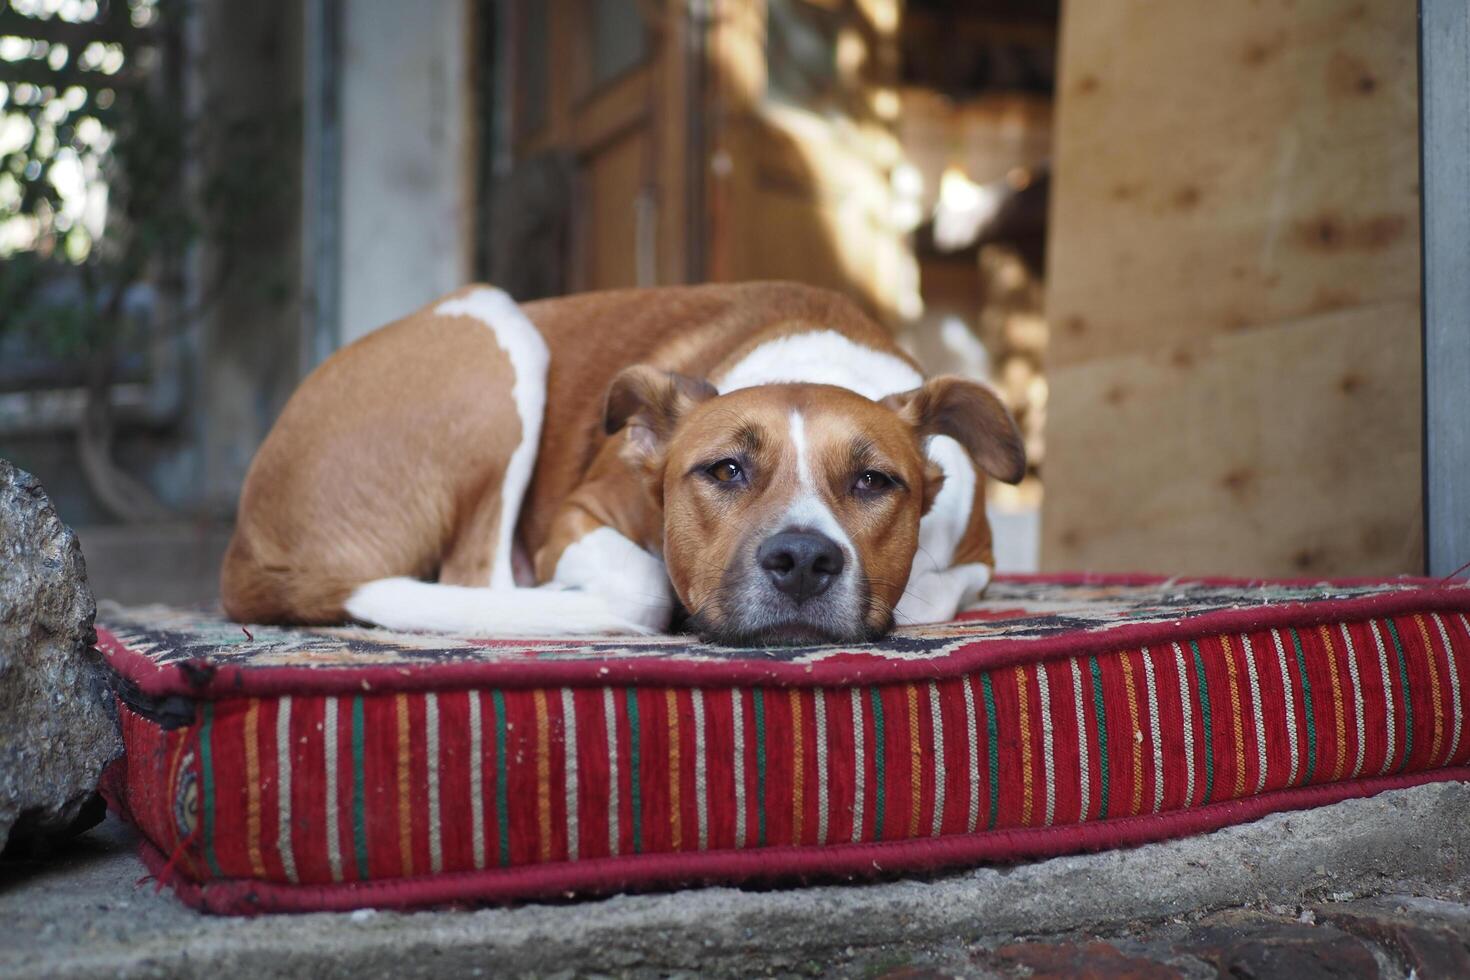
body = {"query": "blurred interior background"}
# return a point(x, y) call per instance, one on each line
point(1180, 237)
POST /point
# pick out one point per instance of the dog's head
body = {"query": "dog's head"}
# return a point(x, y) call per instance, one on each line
point(791, 511)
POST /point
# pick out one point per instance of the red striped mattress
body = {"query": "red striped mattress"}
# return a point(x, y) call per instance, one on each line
point(293, 770)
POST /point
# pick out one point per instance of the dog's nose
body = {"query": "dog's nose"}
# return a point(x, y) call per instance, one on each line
point(801, 564)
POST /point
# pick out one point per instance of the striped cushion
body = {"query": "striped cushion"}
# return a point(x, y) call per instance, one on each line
point(292, 770)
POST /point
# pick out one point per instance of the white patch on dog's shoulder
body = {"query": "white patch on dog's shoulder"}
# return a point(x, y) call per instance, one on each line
point(942, 529)
point(529, 360)
point(633, 581)
point(937, 589)
point(823, 357)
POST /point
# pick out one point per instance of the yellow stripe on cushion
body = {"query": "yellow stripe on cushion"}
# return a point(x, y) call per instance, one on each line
point(916, 760)
point(405, 808)
point(1339, 709)
point(676, 821)
point(1025, 733)
point(797, 788)
point(1434, 692)
point(543, 773)
point(252, 787)
point(1237, 721)
point(1135, 734)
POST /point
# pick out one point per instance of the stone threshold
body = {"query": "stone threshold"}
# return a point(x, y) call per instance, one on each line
point(1332, 885)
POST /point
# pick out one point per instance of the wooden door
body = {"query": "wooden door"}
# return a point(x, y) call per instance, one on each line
point(695, 145)
point(599, 84)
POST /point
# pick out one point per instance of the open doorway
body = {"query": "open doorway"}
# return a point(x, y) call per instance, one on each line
point(977, 82)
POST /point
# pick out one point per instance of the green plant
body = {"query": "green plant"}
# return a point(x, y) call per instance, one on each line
point(92, 144)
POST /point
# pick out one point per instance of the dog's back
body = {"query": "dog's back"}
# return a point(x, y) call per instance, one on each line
point(420, 450)
point(387, 461)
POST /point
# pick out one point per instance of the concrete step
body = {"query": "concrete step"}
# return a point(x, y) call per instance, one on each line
point(89, 913)
point(176, 563)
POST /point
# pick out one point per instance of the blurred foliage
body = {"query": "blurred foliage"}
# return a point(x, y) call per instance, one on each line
point(107, 178)
point(92, 149)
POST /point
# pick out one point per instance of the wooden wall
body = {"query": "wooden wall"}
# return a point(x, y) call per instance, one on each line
point(801, 192)
point(1234, 289)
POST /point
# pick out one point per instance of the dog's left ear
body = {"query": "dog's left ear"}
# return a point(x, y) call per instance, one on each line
point(973, 416)
point(649, 402)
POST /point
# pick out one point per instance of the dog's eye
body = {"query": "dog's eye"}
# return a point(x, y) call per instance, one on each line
point(726, 471)
point(871, 481)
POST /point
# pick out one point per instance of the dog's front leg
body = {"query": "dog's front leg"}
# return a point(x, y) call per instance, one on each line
point(633, 582)
point(934, 596)
point(584, 551)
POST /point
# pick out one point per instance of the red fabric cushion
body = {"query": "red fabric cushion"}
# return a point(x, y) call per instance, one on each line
point(279, 769)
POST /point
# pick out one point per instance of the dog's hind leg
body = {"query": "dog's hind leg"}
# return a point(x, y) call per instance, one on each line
point(476, 592)
point(470, 558)
point(529, 360)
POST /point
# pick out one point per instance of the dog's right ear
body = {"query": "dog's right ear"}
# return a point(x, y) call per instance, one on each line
point(649, 402)
point(972, 415)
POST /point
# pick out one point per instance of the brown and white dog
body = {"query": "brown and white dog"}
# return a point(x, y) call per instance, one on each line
point(762, 454)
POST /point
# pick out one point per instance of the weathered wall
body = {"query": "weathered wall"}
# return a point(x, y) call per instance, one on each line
point(245, 291)
point(1234, 290)
point(407, 151)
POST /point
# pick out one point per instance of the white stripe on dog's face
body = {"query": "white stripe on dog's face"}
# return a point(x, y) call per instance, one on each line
point(808, 510)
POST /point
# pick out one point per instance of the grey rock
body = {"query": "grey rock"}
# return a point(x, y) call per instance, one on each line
point(58, 723)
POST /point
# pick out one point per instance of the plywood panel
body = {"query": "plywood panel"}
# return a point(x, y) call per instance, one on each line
point(1291, 450)
point(1224, 165)
point(1234, 366)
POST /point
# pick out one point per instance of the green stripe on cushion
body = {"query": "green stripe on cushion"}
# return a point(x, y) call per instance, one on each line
point(206, 770)
point(1095, 677)
point(1398, 649)
point(879, 762)
point(1301, 666)
point(992, 739)
point(359, 803)
point(635, 790)
point(1202, 689)
point(502, 779)
point(759, 702)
